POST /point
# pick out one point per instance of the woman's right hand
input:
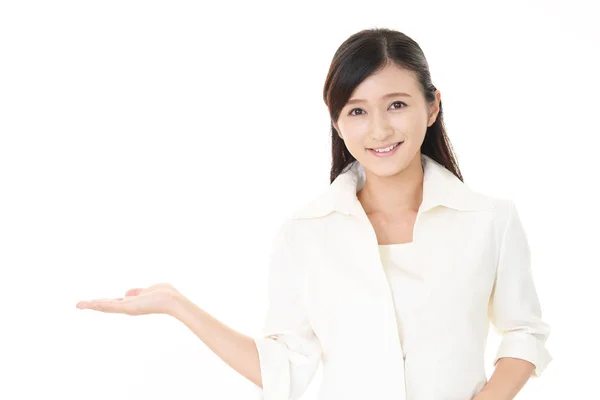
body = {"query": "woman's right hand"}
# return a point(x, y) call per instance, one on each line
point(161, 298)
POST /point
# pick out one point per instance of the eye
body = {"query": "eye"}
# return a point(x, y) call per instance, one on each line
point(399, 102)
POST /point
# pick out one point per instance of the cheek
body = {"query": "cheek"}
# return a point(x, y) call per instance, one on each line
point(354, 144)
point(410, 123)
point(355, 132)
point(354, 127)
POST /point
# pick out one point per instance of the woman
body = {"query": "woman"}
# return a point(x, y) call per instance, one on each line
point(391, 276)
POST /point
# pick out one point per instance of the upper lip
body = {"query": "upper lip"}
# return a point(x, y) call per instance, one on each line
point(383, 147)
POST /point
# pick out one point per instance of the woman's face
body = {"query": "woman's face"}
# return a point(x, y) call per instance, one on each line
point(386, 108)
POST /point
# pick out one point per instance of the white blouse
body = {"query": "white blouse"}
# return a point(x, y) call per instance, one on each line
point(409, 290)
point(406, 283)
point(333, 303)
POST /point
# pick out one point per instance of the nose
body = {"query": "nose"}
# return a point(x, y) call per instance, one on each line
point(381, 128)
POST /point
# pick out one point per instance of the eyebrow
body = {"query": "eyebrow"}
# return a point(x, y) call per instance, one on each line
point(395, 94)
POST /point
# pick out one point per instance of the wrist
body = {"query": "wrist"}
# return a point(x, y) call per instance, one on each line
point(178, 304)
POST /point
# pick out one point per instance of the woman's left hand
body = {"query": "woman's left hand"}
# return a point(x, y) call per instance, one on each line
point(161, 298)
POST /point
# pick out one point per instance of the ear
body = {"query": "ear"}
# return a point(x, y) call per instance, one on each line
point(434, 109)
point(335, 126)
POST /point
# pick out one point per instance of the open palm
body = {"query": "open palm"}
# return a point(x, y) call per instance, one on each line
point(155, 299)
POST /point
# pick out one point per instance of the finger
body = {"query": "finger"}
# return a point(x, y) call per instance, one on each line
point(117, 305)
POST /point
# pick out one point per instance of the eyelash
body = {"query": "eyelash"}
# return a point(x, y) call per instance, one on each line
point(401, 102)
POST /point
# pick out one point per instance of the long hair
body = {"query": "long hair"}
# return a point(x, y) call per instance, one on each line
point(363, 54)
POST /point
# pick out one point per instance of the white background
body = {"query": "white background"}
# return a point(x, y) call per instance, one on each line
point(145, 141)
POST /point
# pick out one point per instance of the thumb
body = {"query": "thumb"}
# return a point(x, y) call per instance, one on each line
point(133, 292)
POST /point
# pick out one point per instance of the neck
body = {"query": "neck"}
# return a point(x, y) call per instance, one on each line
point(396, 193)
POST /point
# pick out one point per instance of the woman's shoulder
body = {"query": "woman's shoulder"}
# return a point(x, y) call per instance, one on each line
point(319, 205)
point(502, 207)
point(494, 201)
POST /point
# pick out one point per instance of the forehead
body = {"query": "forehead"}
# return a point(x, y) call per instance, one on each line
point(391, 78)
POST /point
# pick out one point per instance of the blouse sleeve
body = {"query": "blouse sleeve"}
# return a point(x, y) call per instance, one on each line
point(514, 306)
point(288, 349)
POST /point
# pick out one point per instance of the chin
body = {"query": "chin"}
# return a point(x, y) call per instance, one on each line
point(387, 169)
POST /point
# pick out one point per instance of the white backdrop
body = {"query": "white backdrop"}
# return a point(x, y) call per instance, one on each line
point(145, 141)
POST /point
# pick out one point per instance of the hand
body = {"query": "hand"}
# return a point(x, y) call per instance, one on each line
point(156, 299)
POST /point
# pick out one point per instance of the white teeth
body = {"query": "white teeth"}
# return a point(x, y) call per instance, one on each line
point(387, 148)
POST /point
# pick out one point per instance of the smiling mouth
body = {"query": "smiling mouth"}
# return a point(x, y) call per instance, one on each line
point(386, 149)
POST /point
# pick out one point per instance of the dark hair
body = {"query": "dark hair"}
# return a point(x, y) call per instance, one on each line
point(361, 55)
